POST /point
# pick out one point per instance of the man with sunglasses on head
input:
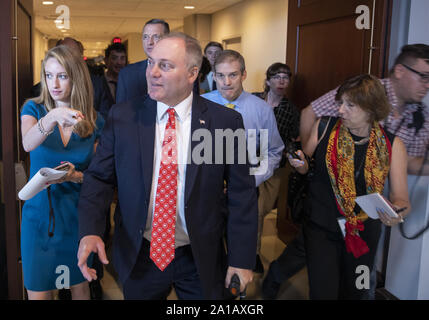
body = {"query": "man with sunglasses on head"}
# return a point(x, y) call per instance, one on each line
point(406, 86)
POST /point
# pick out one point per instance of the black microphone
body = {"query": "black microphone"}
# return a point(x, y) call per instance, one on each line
point(291, 149)
point(234, 287)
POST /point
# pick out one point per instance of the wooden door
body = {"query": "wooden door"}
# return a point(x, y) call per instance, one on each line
point(325, 47)
point(16, 80)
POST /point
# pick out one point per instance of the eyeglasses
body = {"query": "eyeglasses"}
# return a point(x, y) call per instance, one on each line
point(231, 76)
point(278, 78)
point(154, 37)
point(424, 77)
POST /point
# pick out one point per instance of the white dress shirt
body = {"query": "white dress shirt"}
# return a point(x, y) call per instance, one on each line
point(183, 136)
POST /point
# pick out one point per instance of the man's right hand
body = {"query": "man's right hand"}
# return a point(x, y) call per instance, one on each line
point(87, 245)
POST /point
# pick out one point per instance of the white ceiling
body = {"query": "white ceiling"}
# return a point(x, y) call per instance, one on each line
point(96, 22)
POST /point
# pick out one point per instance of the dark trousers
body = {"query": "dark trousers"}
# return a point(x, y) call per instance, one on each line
point(147, 282)
point(332, 271)
point(291, 260)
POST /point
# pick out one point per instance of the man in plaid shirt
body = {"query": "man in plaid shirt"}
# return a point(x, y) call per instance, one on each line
point(406, 87)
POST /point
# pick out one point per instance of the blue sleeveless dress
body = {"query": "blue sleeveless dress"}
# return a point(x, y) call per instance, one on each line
point(51, 262)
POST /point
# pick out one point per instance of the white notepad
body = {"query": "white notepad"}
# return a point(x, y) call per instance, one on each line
point(370, 202)
point(38, 182)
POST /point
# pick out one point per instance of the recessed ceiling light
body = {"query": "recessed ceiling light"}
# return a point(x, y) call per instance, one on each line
point(47, 3)
point(189, 7)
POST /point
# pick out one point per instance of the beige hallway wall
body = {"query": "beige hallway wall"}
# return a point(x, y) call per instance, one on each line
point(40, 47)
point(262, 26)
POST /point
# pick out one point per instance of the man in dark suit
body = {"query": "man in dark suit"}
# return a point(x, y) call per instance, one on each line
point(170, 222)
point(132, 79)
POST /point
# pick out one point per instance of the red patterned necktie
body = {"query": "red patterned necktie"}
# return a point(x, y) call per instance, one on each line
point(164, 218)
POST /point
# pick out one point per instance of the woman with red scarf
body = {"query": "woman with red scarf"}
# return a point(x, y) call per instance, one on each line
point(353, 157)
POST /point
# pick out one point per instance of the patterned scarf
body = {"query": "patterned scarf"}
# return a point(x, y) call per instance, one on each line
point(341, 170)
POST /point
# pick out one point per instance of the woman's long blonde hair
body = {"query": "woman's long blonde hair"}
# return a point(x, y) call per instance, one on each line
point(81, 96)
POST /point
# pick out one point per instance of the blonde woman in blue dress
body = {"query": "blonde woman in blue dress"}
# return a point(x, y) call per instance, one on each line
point(58, 127)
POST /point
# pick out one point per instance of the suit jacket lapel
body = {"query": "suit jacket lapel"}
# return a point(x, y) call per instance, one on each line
point(146, 120)
point(199, 120)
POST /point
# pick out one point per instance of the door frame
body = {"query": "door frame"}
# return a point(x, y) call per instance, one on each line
point(381, 41)
point(8, 38)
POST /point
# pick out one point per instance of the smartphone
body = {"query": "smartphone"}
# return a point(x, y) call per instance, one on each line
point(63, 167)
point(291, 149)
point(294, 155)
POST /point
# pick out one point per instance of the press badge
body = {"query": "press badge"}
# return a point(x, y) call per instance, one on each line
point(342, 224)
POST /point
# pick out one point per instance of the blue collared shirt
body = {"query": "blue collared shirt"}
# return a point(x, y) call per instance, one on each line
point(257, 115)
